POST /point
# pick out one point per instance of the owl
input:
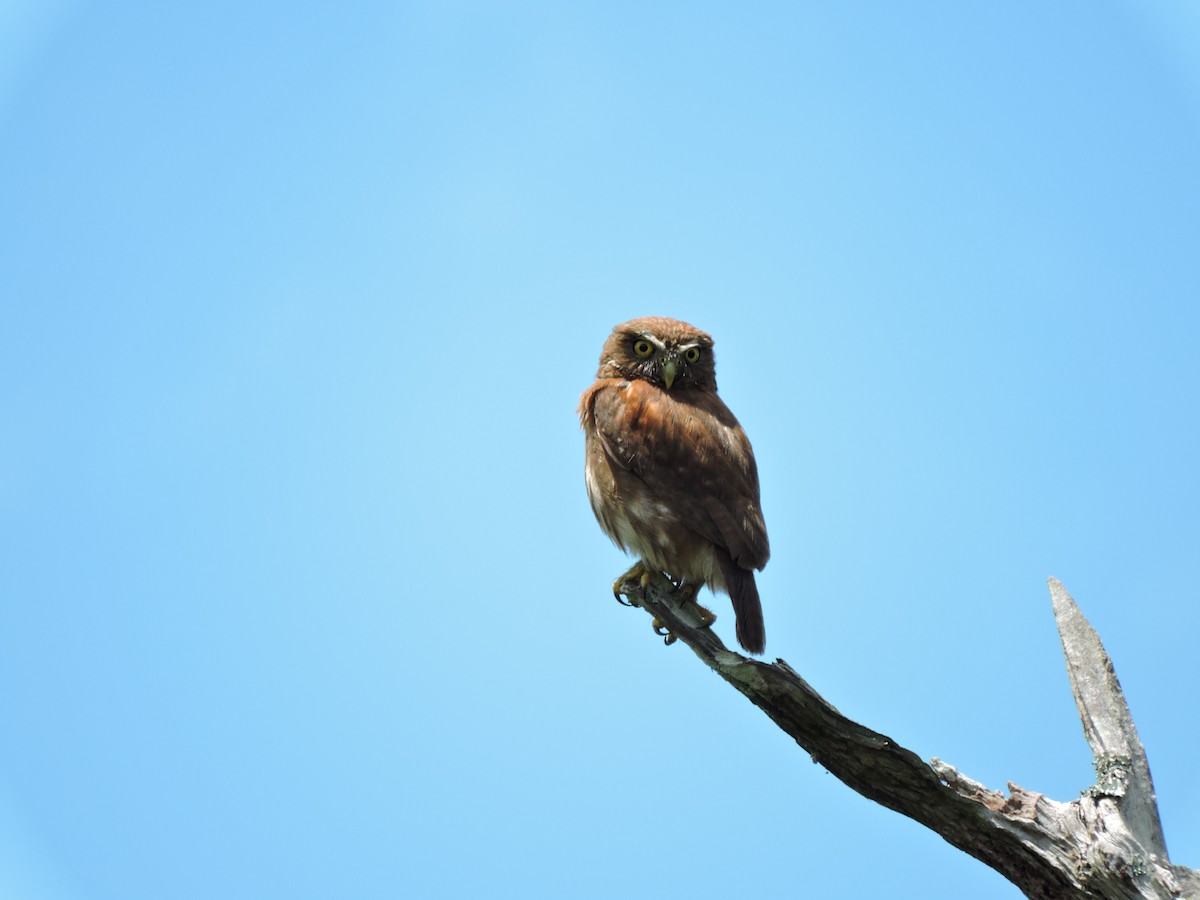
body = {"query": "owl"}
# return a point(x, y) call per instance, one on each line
point(670, 473)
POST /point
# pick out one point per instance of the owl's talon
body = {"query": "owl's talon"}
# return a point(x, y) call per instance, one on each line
point(661, 630)
point(633, 584)
point(627, 583)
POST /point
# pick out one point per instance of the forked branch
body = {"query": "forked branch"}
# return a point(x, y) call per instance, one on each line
point(1107, 843)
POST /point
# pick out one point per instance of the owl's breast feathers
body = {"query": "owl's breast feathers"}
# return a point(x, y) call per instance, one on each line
point(668, 469)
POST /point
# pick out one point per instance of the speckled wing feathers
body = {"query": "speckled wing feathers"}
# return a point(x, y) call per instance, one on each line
point(706, 471)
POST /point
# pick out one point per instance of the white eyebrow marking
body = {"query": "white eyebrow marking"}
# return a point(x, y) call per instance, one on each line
point(655, 341)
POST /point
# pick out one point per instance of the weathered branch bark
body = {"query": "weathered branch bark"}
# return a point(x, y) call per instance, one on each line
point(1108, 843)
point(1120, 759)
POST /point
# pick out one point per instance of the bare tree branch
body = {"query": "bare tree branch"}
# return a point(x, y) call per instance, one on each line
point(1120, 758)
point(1108, 843)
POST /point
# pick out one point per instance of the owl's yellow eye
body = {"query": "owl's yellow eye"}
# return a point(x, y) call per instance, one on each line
point(642, 348)
point(692, 354)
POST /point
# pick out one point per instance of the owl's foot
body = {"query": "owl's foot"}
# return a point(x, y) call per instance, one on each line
point(629, 582)
point(687, 600)
point(634, 583)
point(706, 615)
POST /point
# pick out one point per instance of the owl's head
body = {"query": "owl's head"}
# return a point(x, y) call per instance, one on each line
point(666, 352)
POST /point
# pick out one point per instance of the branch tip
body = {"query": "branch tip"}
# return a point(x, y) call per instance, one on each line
point(1122, 769)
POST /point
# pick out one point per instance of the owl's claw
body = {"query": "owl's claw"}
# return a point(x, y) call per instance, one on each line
point(687, 597)
point(661, 630)
point(633, 584)
point(635, 579)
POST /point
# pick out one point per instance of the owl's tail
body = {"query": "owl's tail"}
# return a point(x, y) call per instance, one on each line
point(751, 631)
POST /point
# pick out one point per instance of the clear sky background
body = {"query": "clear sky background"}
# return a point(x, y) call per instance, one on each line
point(301, 594)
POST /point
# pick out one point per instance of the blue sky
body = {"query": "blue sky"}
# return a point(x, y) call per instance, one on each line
point(302, 596)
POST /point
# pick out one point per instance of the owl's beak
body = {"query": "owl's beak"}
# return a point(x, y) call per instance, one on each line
point(669, 369)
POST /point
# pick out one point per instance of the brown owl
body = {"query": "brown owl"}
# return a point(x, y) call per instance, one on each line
point(670, 472)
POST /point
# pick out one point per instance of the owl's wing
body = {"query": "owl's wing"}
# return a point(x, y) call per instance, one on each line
point(691, 452)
